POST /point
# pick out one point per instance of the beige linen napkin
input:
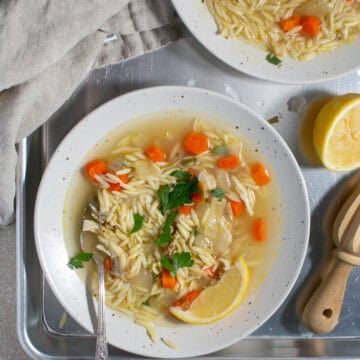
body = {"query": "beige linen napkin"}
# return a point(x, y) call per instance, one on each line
point(46, 49)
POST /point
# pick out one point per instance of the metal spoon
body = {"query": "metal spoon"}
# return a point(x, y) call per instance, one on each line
point(88, 242)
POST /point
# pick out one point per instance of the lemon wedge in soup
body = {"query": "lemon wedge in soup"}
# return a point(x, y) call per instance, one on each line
point(336, 133)
point(218, 301)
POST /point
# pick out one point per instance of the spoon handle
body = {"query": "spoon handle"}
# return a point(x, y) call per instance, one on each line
point(322, 311)
point(101, 352)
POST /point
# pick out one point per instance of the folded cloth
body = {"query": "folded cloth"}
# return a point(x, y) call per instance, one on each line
point(46, 49)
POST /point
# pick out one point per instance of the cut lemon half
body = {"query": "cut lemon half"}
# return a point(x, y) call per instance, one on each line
point(336, 133)
point(218, 301)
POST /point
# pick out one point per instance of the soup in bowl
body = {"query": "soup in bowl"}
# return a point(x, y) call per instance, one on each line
point(193, 211)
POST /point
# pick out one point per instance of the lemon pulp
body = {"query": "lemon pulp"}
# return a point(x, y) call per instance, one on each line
point(337, 133)
point(218, 301)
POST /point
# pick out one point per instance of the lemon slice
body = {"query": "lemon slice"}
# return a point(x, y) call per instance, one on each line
point(336, 133)
point(218, 301)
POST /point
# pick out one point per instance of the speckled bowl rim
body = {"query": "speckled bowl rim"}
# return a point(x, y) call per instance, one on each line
point(191, 340)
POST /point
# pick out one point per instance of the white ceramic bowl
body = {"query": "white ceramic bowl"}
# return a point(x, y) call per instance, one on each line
point(250, 59)
point(191, 340)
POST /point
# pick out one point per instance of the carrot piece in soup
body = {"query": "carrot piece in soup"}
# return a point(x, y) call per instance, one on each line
point(155, 153)
point(196, 143)
point(185, 302)
point(167, 280)
point(228, 162)
point(95, 167)
point(310, 25)
point(259, 232)
point(117, 186)
point(192, 172)
point(124, 178)
point(114, 187)
point(199, 196)
point(260, 174)
point(186, 209)
point(107, 263)
point(290, 23)
point(237, 207)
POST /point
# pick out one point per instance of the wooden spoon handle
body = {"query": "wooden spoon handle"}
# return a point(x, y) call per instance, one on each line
point(322, 312)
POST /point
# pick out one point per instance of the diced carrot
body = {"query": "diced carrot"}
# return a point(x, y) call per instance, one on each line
point(290, 23)
point(114, 187)
point(117, 186)
point(124, 178)
point(167, 280)
point(186, 209)
point(108, 263)
point(155, 153)
point(192, 172)
point(95, 167)
point(310, 25)
point(237, 207)
point(259, 230)
point(196, 143)
point(210, 271)
point(228, 162)
point(260, 174)
point(199, 196)
point(185, 302)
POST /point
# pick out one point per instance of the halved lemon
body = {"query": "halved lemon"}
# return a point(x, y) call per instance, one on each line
point(218, 301)
point(336, 133)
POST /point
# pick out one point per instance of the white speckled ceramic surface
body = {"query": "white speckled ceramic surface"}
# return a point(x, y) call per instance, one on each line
point(191, 340)
point(251, 59)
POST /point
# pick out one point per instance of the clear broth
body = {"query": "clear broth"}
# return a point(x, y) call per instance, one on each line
point(166, 128)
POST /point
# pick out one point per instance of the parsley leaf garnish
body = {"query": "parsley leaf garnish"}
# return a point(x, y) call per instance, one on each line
point(221, 150)
point(147, 302)
point(218, 193)
point(165, 236)
point(272, 59)
point(76, 262)
point(177, 195)
point(177, 261)
point(138, 223)
point(180, 174)
point(163, 193)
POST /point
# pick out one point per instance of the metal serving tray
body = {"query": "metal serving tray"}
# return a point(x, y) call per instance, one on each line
point(40, 315)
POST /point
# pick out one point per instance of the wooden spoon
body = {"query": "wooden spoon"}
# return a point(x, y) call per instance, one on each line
point(322, 312)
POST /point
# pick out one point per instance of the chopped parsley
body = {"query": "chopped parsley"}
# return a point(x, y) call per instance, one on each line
point(177, 261)
point(76, 262)
point(181, 174)
point(273, 120)
point(218, 193)
point(147, 302)
point(165, 236)
point(272, 59)
point(138, 223)
point(221, 150)
point(177, 195)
